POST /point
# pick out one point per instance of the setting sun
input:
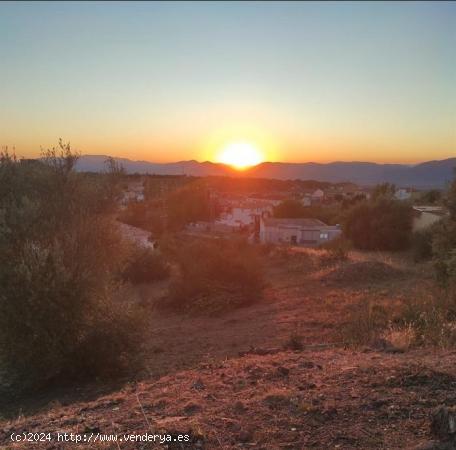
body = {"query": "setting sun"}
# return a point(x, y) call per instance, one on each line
point(240, 155)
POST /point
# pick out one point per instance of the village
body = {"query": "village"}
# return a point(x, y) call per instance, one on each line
point(251, 214)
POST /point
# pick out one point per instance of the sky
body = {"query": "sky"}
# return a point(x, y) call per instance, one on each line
point(323, 81)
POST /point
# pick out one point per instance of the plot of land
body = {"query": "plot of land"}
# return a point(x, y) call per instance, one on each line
point(235, 381)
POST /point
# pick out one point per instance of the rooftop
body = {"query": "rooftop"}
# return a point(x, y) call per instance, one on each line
point(439, 210)
point(308, 223)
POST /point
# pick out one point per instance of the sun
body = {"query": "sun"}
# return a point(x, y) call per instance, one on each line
point(240, 155)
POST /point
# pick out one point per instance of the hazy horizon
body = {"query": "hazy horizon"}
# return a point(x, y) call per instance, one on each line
point(166, 82)
point(200, 161)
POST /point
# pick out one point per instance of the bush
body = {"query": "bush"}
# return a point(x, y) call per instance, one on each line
point(337, 251)
point(444, 242)
point(383, 224)
point(432, 317)
point(216, 276)
point(427, 319)
point(421, 244)
point(329, 214)
point(188, 204)
point(366, 323)
point(443, 250)
point(59, 256)
point(290, 209)
point(145, 266)
point(135, 214)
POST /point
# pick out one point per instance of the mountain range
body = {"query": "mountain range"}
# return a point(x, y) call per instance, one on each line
point(430, 174)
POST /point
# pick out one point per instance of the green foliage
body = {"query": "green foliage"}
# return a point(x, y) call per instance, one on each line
point(349, 202)
point(443, 249)
point(429, 319)
point(383, 224)
point(136, 214)
point(366, 321)
point(383, 190)
point(450, 200)
point(421, 244)
point(146, 215)
point(431, 197)
point(160, 186)
point(59, 256)
point(189, 204)
point(145, 266)
point(292, 209)
point(444, 242)
point(337, 250)
point(216, 276)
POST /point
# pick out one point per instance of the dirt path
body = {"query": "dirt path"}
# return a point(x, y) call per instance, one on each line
point(292, 400)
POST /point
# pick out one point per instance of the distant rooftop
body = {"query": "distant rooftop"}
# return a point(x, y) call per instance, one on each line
point(307, 223)
point(440, 210)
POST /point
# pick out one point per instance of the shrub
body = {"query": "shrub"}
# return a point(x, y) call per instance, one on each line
point(191, 203)
point(383, 224)
point(145, 266)
point(337, 251)
point(421, 244)
point(330, 214)
point(427, 319)
point(430, 197)
point(290, 209)
point(135, 214)
point(444, 242)
point(216, 276)
point(59, 256)
point(295, 340)
point(443, 250)
point(366, 323)
point(400, 338)
point(430, 318)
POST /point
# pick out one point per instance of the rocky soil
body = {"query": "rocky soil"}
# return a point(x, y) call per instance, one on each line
point(275, 375)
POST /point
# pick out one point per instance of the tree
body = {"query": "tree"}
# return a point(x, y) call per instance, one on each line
point(383, 190)
point(430, 197)
point(383, 224)
point(289, 209)
point(293, 209)
point(444, 241)
point(60, 256)
point(216, 276)
point(189, 204)
point(450, 199)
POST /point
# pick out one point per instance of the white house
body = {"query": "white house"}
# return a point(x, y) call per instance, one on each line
point(317, 195)
point(306, 232)
point(133, 193)
point(403, 194)
point(244, 214)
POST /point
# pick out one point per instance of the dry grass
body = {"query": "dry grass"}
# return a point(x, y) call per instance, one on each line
point(400, 338)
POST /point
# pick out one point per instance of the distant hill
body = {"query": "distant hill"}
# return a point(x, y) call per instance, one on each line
point(425, 175)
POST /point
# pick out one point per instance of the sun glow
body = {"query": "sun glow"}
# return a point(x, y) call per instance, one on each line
point(240, 155)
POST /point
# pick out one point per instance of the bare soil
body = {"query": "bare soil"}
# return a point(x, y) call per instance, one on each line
point(231, 381)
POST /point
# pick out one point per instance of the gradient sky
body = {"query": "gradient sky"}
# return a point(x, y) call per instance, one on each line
point(172, 81)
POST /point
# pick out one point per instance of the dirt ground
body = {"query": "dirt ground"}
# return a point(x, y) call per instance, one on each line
point(232, 381)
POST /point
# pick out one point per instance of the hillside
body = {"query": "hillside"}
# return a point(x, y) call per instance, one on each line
point(240, 380)
point(425, 175)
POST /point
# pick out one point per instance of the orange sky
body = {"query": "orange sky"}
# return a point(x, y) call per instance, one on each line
point(301, 81)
